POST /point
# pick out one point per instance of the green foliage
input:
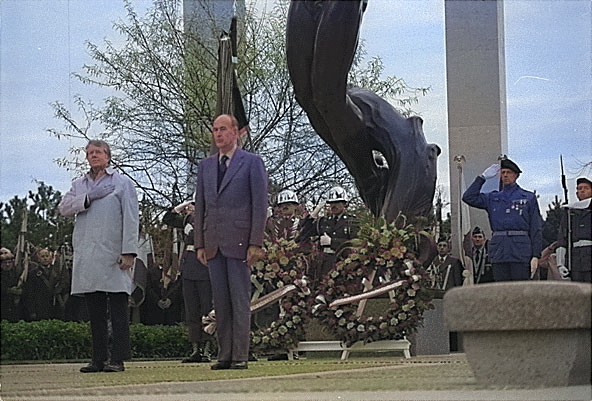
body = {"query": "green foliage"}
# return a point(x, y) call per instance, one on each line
point(158, 341)
point(59, 340)
point(45, 340)
point(45, 226)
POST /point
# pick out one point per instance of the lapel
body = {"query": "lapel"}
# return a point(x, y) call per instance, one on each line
point(210, 176)
point(238, 159)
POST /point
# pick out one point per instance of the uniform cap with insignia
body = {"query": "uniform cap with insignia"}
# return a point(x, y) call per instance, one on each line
point(509, 164)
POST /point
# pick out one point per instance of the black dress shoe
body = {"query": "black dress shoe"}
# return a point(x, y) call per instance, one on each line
point(92, 368)
point(239, 365)
point(278, 357)
point(196, 358)
point(220, 365)
point(114, 367)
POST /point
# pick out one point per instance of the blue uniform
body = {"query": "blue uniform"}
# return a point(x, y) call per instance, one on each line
point(515, 220)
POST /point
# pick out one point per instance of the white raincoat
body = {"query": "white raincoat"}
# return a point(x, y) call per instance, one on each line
point(102, 233)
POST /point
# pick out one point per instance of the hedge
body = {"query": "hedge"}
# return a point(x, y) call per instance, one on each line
point(58, 340)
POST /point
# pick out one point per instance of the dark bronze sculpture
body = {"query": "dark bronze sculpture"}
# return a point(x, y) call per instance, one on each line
point(393, 166)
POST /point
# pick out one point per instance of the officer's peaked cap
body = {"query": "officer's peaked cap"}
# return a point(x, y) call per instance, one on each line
point(509, 164)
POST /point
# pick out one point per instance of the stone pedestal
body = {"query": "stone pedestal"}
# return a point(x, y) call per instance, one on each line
point(432, 338)
point(524, 333)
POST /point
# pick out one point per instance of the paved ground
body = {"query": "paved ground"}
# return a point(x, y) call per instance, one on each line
point(368, 379)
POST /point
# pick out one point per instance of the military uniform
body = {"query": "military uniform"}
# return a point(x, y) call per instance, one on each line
point(282, 227)
point(516, 223)
point(340, 228)
point(45, 292)
point(197, 290)
point(446, 272)
point(577, 221)
point(482, 271)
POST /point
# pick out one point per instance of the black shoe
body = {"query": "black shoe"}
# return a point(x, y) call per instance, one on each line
point(92, 368)
point(239, 365)
point(196, 357)
point(220, 365)
point(114, 367)
point(278, 357)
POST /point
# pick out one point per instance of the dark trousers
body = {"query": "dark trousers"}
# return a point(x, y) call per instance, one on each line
point(511, 271)
point(105, 308)
point(231, 290)
point(197, 295)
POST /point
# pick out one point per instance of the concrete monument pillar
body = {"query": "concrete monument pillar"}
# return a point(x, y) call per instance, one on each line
point(477, 121)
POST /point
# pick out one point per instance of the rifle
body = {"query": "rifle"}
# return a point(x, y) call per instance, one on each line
point(563, 183)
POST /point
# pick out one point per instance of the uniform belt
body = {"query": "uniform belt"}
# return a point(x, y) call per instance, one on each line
point(509, 233)
point(190, 248)
point(581, 243)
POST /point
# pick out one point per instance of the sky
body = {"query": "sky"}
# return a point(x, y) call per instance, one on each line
point(548, 52)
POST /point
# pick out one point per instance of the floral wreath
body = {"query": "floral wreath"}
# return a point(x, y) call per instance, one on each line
point(280, 275)
point(381, 253)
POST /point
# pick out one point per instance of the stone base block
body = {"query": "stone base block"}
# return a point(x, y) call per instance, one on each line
point(523, 358)
point(524, 333)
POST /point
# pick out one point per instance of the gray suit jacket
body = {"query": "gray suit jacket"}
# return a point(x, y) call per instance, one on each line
point(232, 218)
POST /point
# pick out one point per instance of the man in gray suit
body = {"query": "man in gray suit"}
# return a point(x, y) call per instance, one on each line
point(230, 216)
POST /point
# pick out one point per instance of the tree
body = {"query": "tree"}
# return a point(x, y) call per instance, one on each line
point(163, 82)
point(45, 226)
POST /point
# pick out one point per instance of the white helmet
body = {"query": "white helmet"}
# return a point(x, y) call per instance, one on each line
point(337, 194)
point(287, 196)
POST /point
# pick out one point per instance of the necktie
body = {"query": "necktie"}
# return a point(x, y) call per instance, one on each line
point(222, 169)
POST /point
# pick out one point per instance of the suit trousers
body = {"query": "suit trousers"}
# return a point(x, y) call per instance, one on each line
point(105, 307)
point(231, 290)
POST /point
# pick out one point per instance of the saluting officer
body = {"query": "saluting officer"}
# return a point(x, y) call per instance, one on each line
point(515, 220)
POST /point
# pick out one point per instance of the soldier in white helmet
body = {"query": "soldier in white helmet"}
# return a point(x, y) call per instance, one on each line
point(330, 231)
point(284, 223)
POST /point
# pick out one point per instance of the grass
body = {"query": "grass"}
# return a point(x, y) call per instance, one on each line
point(376, 372)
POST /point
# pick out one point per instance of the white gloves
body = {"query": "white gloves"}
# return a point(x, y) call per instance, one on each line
point(317, 210)
point(180, 207)
point(560, 255)
point(491, 171)
point(325, 240)
point(99, 192)
point(534, 265)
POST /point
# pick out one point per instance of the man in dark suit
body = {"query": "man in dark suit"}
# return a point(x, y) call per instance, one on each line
point(230, 216)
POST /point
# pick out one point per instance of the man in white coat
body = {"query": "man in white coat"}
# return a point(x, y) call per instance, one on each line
point(105, 242)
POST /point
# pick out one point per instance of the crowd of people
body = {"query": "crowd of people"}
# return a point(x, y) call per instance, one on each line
point(112, 275)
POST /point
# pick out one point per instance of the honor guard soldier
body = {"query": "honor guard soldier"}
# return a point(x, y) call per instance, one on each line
point(197, 290)
point(575, 236)
point(286, 223)
point(330, 231)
